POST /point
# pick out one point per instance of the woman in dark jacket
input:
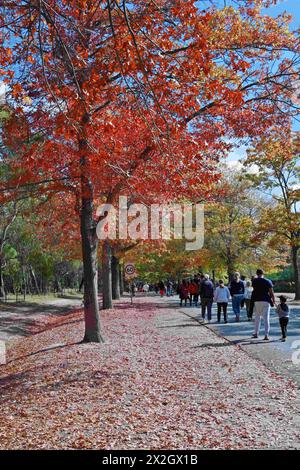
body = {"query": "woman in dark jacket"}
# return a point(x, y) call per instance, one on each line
point(237, 289)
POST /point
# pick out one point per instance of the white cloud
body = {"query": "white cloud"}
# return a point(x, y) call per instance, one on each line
point(234, 165)
point(237, 165)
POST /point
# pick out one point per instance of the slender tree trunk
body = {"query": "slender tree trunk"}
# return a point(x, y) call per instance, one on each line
point(107, 276)
point(24, 283)
point(121, 279)
point(35, 280)
point(2, 289)
point(295, 261)
point(115, 277)
point(81, 285)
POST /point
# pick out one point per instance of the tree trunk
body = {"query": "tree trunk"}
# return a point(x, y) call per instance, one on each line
point(230, 268)
point(121, 279)
point(89, 243)
point(2, 289)
point(107, 276)
point(36, 285)
point(90, 272)
point(115, 277)
point(296, 270)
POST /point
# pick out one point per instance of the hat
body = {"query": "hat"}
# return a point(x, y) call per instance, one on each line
point(283, 298)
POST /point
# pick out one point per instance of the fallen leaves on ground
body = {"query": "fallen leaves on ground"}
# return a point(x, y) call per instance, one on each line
point(160, 381)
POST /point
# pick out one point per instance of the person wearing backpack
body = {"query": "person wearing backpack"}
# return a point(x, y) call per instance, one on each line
point(207, 297)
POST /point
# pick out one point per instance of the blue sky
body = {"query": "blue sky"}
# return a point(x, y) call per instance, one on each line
point(292, 7)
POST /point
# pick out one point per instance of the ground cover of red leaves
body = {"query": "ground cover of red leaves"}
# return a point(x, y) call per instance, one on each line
point(160, 381)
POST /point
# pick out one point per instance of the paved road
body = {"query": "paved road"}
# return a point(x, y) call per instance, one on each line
point(275, 354)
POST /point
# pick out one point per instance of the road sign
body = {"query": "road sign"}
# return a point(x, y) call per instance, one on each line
point(129, 269)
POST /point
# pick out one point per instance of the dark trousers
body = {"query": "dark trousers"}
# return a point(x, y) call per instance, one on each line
point(283, 323)
point(206, 303)
point(248, 308)
point(222, 305)
point(195, 298)
point(251, 308)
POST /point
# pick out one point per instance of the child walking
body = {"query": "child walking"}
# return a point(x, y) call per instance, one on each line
point(283, 313)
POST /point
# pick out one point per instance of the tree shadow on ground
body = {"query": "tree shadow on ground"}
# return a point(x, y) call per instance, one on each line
point(237, 342)
point(78, 296)
point(211, 345)
point(181, 325)
point(27, 318)
point(49, 348)
point(94, 378)
point(32, 308)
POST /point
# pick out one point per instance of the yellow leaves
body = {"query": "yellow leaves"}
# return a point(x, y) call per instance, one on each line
point(27, 100)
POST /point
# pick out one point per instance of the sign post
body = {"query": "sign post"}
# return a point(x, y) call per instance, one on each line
point(130, 272)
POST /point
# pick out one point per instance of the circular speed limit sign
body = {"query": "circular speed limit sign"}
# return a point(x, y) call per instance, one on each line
point(130, 269)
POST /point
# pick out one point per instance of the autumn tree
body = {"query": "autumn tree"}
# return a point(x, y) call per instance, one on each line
point(74, 67)
point(277, 160)
point(232, 225)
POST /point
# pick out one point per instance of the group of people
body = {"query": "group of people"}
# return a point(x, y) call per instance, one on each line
point(256, 295)
point(165, 288)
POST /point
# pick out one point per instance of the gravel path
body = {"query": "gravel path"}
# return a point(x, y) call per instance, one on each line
point(160, 381)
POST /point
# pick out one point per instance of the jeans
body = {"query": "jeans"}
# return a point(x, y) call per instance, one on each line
point(283, 323)
point(262, 310)
point(206, 302)
point(222, 305)
point(236, 304)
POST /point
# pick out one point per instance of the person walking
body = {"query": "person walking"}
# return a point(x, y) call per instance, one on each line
point(244, 281)
point(263, 297)
point(207, 297)
point(247, 297)
point(283, 314)
point(222, 297)
point(183, 292)
point(169, 288)
point(162, 288)
point(194, 293)
point(237, 290)
point(201, 280)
